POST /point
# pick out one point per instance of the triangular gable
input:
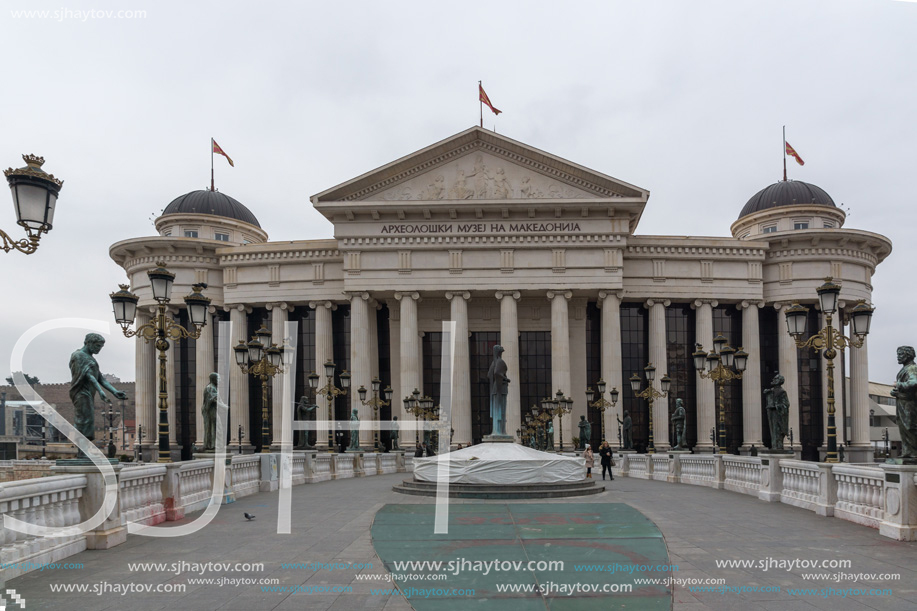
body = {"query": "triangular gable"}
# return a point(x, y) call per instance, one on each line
point(480, 165)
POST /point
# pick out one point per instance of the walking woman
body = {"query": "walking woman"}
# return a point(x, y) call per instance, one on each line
point(605, 454)
point(590, 461)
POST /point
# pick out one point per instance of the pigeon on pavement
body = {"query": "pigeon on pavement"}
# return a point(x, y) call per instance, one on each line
point(248, 516)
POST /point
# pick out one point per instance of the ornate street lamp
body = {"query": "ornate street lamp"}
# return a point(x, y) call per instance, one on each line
point(329, 391)
point(34, 199)
point(161, 329)
point(601, 404)
point(558, 407)
point(723, 364)
point(263, 359)
point(650, 394)
point(376, 402)
point(830, 340)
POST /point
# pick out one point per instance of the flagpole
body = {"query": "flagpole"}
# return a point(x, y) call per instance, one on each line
point(784, 153)
point(480, 103)
point(211, 165)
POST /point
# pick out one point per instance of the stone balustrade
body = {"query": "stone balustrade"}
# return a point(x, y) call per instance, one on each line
point(140, 494)
point(246, 474)
point(196, 484)
point(879, 496)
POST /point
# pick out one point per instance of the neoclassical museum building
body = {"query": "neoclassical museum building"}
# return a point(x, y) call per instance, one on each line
point(527, 250)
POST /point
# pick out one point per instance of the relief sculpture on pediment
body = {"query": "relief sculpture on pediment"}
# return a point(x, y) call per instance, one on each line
point(480, 176)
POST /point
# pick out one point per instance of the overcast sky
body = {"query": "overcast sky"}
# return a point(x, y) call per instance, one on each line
point(685, 99)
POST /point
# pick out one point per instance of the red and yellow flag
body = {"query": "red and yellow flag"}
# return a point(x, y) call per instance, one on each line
point(219, 151)
point(789, 151)
point(483, 97)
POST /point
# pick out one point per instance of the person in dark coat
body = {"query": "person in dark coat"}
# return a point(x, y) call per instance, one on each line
point(605, 454)
point(418, 451)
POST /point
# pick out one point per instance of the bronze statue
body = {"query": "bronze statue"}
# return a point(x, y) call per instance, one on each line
point(85, 381)
point(209, 411)
point(301, 438)
point(905, 394)
point(394, 433)
point(678, 424)
point(550, 434)
point(499, 387)
point(585, 432)
point(627, 424)
point(778, 411)
point(354, 431)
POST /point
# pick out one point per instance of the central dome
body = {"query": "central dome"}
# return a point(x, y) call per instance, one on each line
point(787, 193)
point(211, 202)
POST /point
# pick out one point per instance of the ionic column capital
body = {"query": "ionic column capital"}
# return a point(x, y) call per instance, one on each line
point(323, 304)
point(603, 295)
point(565, 294)
point(516, 295)
point(697, 303)
point(651, 302)
point(240, 307)
point(415, 296)
point(464, 295)
point(283, 305)
point(746, 303)
point(351, 295)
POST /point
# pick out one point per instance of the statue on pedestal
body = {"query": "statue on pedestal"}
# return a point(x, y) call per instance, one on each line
point(85, 381)
point(627, 425)
point(585, 432)
point(678, 424)
point(550, 432)
point(905, 394)
point(394, 433)
point(778, 411)
point(354, 431)
point(301, 438)
point(209, 411)
point(499, 387)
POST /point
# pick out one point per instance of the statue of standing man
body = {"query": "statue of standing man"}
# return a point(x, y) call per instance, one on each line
point(585, 432)
point(499, 387)
point(209, 411)
point(85, 381)
point(678, 424)
point(778, 411)
point(905, 394)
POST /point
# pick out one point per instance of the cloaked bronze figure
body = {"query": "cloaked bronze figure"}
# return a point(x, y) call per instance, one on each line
point(85, 381)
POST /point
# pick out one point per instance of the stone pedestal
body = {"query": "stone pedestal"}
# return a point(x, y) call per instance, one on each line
point(771, 476)
point(498, 439)
point(270, 468)
point(399, 461)
point(111, 532)
point(900, 521)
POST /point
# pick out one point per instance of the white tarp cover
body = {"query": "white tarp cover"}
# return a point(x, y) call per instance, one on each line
point(501, 463)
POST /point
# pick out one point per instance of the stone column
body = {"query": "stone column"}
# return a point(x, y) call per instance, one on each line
point(560, 359)
point(394, 346)
point(659, 358)
point(858, 400)
point(203, 366)
point(324, 351)
point(410, 343)
point(174, 411)
point(461, 373)
point(706, 391)
point(752, 426)
point(509, 339)
point(789, 369)
point(374, 366)
point(147, 391)
point(610, 303)
point(360, 369)
point(238, 381)
point(280, 314)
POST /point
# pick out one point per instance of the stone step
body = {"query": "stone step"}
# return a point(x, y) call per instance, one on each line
point(517, 491)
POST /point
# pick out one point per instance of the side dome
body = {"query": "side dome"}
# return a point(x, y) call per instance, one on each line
point(787, 193)
point(211, 202)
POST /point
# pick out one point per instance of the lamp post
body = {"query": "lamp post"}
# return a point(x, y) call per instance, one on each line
point(559, 406)
point(44, 437)
point(650, 394)
point(829, 340)
point(111, 431)
point(330, 391)
point(263, 359)
point(376, 402)
point(241, 432)
point(160, 329)
point(723, 364)
point(35, 199)
point(540, 420)
point(601, 404)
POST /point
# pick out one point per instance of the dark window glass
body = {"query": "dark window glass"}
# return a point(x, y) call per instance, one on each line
point(185, 370)
point(634, 357)
point(253, 430)
point(594, 372)
point(383, 334)
point(811, 421)
point(481, 351)
point(769, 326)
point(680, 329)
point(305, 360)
point(340, 328)
point(534, 372)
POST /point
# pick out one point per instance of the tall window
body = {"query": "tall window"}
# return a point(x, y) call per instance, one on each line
point(594, 372)
point(534, 370)
point(635, 339)
point(305, 362)
point(340, 328)
point(253, 427)
point(811, 406)
point(185, 370)
point(432, 365)
point(482, 351)
point(680, 330)
point(727, 321)
point(769, 326)
point(385, 367)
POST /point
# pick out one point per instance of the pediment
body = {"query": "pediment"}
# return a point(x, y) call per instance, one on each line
point(480, 165)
